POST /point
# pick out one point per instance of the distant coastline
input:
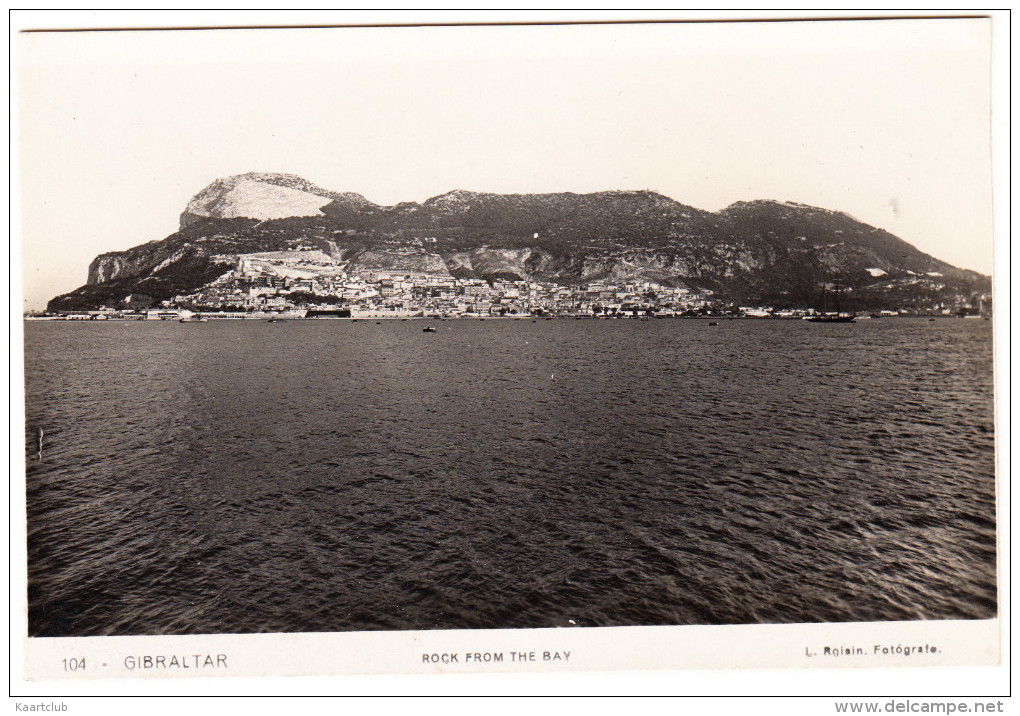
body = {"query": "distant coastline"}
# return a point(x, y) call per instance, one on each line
point(188, 316)
point(263, 242)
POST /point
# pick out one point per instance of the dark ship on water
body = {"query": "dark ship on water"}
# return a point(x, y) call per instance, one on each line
point(826, 316)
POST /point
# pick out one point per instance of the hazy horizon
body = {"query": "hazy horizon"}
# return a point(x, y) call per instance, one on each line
point(887, 121)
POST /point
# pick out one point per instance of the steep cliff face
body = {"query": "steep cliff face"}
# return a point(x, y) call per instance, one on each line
point(499, 264)
point(108, 267)
point(370, 262)
point(750, 251)
point(262, 195)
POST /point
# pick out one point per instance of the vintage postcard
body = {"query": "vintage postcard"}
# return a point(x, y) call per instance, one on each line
point(523, 348)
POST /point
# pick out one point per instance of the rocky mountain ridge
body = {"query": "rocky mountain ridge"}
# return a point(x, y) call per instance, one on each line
point(263, 196)
point(750, 252)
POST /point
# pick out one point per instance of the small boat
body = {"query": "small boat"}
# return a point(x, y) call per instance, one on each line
point(828, 316)
point(713, 323)
point(195, 319)
point(428, 329)
point(832, 318)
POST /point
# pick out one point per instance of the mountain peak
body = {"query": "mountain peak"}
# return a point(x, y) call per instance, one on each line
point(761, 251)
point(457, 196)
point(757, 205)
point(262, 196)
point(272, 177)
point(281, 179)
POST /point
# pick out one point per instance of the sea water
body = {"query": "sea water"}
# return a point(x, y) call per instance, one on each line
point(241, 476)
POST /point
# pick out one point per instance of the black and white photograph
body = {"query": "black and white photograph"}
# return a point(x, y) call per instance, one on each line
point(508, 327)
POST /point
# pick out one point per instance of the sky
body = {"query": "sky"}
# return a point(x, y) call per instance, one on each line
point(885, 120)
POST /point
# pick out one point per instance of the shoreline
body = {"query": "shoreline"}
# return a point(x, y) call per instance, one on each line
point(206, 318)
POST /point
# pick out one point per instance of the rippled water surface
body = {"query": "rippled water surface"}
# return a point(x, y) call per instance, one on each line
point(338, 475)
